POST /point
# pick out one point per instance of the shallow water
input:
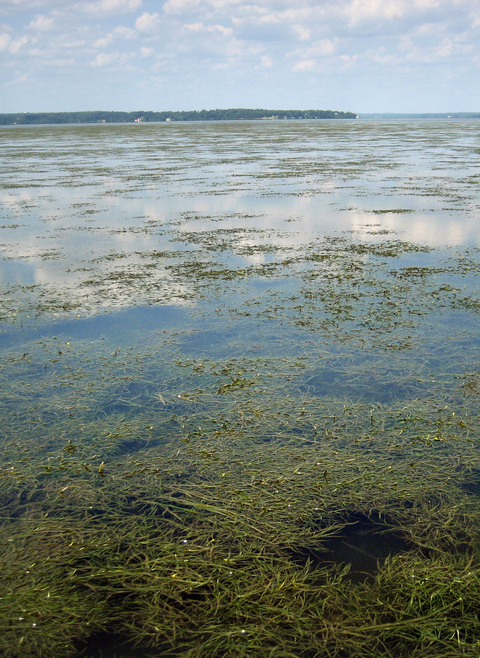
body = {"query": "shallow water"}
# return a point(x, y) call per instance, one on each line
point(217, 289)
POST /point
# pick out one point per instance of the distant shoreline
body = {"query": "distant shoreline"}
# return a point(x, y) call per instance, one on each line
point(425, 115)
point(236, 114)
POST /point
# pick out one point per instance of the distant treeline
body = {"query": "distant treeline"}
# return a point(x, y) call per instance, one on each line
point(131, 117)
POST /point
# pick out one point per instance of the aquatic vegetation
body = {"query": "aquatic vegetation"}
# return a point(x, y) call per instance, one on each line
point(221, 438)
point(173, 498)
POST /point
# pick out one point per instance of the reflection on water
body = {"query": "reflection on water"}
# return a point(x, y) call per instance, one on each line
point(109, 192)
point(124, 327)
point(16, 272)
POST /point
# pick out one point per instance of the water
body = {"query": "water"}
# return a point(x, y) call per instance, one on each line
point(76, 198)
point(261, 320)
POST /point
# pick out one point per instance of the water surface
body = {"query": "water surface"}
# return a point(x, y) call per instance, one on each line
point(240, 335)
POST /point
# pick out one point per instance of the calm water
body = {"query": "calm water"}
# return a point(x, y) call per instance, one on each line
point(116, 233)
point(160, 279)
point(73, 197)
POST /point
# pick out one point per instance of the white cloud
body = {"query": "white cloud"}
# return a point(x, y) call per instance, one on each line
point(303, 33)
point(348, 61)
point(111, 6)
point(447, 48)
point(147, 22)
point(378, 12)
point(4, 41)
point(124, 32)
point(201, 27)
point(107, 59)
point(304, 65)
point(103, 42)
point(426, 30)
point(8, 44)
point(179, 6)
point(227, 31)
point(194, 27)
point(16, 45)
point(266, 62)
point(307, 57)
point(380, 57)
point(324, 47)
point(41, 23)
point(104, 59)
point(119, 32)
point(361, 10)
point(146, 52)
point(161, 65)
point(327, 16)
point(22, 5)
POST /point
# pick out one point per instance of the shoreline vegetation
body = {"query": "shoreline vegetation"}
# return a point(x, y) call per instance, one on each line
point(232, 114)
point(235, 114)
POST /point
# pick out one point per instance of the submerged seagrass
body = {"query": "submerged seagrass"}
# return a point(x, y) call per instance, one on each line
point(269, 445)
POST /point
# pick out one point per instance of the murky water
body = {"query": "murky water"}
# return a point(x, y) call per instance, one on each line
point(178, 299)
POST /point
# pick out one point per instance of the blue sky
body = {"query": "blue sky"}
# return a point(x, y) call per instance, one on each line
point(358, 55)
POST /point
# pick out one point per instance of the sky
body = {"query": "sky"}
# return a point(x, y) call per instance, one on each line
point(364, 56)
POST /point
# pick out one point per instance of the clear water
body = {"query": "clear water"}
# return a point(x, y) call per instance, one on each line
point(166, 276)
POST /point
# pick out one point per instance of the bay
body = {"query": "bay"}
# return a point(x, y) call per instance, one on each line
point(229, 349)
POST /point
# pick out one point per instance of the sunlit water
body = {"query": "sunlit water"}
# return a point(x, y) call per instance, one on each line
point(74, 194)
point(150, 271)
point(101, 218)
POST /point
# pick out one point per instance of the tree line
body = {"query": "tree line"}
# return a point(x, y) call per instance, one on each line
point(238, 114)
